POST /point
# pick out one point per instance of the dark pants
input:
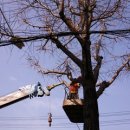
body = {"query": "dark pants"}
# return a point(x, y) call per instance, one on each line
point(73, 96)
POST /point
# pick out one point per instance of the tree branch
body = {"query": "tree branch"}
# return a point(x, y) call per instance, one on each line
point(119, 70)
point(98, 59)
point(102, 87)
point(105, 84)
point(59, 45)
point(35, 64)
point(97, 68)
point(69, 22)
point(109, 11)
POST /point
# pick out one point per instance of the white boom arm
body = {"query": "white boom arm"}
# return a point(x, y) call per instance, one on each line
point(25, 92)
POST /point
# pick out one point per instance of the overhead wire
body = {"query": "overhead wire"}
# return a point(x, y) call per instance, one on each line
point(119, 113)
point(104, 123)
point(67, 125)
point(112, 114)
point(109, 114)
point(63, 125)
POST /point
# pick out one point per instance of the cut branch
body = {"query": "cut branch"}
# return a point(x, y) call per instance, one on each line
point(102, 87)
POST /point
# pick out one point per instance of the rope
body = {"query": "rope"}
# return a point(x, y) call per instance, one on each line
point(66, 93)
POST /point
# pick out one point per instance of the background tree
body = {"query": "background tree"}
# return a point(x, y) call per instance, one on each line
point(90, 37)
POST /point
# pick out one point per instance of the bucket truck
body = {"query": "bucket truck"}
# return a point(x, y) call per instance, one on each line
point(72, 107)
point(28, 91)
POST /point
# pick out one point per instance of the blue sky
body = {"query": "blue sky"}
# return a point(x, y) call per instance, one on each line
point(32, 114)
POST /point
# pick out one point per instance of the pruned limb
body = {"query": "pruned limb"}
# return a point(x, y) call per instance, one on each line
point(102, 87)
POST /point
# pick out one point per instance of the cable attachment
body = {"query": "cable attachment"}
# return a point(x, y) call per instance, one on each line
point(37, 91)
point(49, 119)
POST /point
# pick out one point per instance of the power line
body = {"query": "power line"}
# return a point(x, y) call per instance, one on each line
point(61, 125)
point(66, 125)
point(119, 113)
point(116, 122)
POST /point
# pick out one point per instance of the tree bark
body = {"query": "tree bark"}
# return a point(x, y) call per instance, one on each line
point(91, 115)
point(90, 111)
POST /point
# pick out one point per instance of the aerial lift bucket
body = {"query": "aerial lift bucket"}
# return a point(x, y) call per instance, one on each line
point(74, 109)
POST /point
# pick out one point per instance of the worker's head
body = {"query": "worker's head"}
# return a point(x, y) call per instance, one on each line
point(77, 84)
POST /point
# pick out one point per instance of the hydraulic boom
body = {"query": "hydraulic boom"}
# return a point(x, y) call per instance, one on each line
point(28, 91)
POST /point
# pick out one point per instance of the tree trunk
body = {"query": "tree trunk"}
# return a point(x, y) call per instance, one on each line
point(91, 115)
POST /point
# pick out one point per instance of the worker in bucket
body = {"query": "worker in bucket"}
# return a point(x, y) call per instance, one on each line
point(73, 91)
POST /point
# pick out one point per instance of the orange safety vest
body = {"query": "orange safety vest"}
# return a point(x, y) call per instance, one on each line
point(74, 88)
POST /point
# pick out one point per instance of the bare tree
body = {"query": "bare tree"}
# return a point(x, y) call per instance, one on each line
point(87, 33)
